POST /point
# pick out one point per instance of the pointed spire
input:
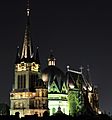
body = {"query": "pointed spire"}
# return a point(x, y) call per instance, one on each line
point(37, 56)
point(17, 56)
point(28, 13)
point(28, 8)
point(27, 52)
point(88, 75)
point(51, 59)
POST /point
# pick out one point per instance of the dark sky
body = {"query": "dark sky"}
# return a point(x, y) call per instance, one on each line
point(79, 33)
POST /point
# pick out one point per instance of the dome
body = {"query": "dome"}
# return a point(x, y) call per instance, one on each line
point(52, 73)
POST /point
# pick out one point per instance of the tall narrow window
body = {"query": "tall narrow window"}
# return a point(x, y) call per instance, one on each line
point(18, 83)
point(32, 81)
point(24, 81)
point(21, 81)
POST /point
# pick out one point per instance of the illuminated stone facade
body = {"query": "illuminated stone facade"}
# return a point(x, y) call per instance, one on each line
point(71, 92)
point(55, 79)
point(35, 91)
point(82, 95)
point(29, 95)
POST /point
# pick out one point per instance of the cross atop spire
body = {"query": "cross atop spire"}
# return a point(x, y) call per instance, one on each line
point(81, 68)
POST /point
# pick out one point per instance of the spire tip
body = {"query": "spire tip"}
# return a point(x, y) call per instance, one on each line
point(28, 8)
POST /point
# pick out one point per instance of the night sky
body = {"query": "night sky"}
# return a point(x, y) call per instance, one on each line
point(79, 33)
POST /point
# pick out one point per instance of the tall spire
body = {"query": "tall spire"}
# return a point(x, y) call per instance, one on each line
point(27, 52)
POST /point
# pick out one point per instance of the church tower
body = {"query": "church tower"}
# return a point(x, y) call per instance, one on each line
point(29, 94)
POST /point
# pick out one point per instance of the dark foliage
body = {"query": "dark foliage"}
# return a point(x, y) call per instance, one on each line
point(57, 117)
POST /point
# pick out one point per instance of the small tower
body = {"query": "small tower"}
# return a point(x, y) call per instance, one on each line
point(51, 59)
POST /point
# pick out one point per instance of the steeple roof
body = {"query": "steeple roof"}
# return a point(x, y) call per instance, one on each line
point(27, 50)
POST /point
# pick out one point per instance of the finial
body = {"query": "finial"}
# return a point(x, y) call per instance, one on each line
point(17, 47)
point(68, 67)
point(17, 55)
point(59, 109)
point(51, 51)
point(18, 50)
point(88, 68)
point(81, 68)
point(28, 8)
point(89, 75)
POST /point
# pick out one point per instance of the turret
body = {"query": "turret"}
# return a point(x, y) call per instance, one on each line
point(51, 59)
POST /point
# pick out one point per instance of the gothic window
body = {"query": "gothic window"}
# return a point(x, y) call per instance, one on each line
point(21, 81)
point(37, 103)
point(32, 104)
point(24, 81)
point(32, 79)
point(18, 81)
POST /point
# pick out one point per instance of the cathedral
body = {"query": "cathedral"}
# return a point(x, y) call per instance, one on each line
point(36, 91)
